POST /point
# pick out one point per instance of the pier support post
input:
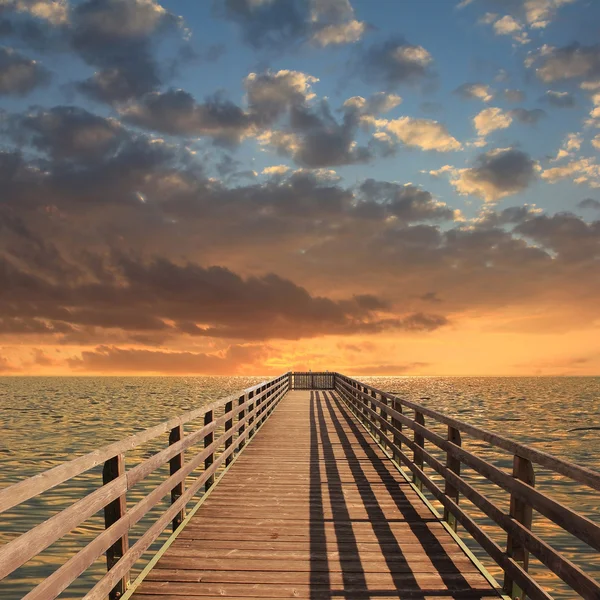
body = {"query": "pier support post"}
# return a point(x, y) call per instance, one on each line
point(208, 440)
point(523, 513)
point(420, 443)
point(453, 464)
point(175, 464)
point(113, 468)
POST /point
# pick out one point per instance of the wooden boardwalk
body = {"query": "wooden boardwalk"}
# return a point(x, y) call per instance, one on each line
point(313, 508)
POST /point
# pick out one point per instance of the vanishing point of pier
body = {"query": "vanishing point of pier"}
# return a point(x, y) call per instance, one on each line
point(311, 485)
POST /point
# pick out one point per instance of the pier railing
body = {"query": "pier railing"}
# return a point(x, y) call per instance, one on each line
point(403, 428)
point(234, 420)
point(410, 432)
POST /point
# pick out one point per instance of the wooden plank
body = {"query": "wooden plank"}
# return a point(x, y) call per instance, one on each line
point(325, 514)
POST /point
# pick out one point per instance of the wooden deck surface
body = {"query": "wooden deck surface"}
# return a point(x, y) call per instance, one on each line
point(314, 509)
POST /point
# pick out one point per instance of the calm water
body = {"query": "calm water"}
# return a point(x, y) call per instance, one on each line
point(45, 421)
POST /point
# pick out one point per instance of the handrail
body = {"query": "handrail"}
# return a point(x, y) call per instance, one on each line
point(382, 412)
point(250, 407)
point(227, 425)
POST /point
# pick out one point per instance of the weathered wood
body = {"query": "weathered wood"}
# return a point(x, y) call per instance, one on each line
point(174, 465)
point(453, 464)
point(361, 497)
point(208, 440)
point(228, 426)
point(569, 469)
point(419, 444)
point(521, 512)
point(113, 512)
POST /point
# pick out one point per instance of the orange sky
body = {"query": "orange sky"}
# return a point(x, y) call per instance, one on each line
point(368, 187)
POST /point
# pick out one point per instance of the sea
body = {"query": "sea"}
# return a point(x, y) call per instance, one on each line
point(45, 421)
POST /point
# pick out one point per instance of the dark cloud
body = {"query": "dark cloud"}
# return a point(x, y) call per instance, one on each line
point(118, 38)
point(284, 24)
point(507, 216)
point(175, 112)
point(514, 95)
point(589, 203)
point(574, 62)
point(162, 296)
point(496, 174)
point(559, 99)
point(68, 132)
point(19, 75)
point(474, 91)
point(529, 117)
point(405, 202)
point(566, 234)
point(394, 62)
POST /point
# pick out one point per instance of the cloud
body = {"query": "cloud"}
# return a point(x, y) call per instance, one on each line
point(55, 12)
point(69, 132)
point(394, 62)
point(19, 75)
point(559, 99)
point(508, 25)
point(175, 112)
point(117, 37)
point(405, 202)
point(491, 119)
point(6, 366)
point(271, 94)
point(282, 24)
point(589, 203)
point(477, 91)
point(496, 174)
point(581, 171)
point(515, 96)
point(528, 117)
point(537, 14)
point(111, 359)
point(565, 234)
point(574, 62)
point(422, 133)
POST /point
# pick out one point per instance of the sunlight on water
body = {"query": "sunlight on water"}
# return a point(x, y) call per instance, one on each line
point(48, 420)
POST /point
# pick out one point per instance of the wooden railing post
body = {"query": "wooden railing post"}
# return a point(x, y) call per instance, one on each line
point(453, 464)
point(397, 425)
point(522, 512)
point(290, 375)
point(175, 464)
point(420, 443)
point(385, 417)
point(241, 400)
point(208, 440)
point(228, 426)
point(250, 409)
point(113, 468)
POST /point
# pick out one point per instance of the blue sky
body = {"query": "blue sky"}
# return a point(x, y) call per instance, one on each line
point(419, 174)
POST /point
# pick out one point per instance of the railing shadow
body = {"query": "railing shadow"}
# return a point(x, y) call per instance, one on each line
point(327, 406)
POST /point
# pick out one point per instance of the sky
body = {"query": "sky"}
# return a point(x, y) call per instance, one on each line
point(377, 187)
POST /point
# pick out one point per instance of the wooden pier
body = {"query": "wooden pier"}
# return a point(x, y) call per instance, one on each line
point(297, 492)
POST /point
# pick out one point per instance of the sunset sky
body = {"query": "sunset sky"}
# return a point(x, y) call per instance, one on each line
point(250, 186)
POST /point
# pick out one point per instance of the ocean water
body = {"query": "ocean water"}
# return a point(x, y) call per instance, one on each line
point(47, 420)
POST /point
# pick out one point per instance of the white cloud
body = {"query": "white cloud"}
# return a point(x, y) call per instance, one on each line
point(275, 170)
point(491, 119)
point(342, 33)
point(580, 171)
point(508, 25)
point(421, 133)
